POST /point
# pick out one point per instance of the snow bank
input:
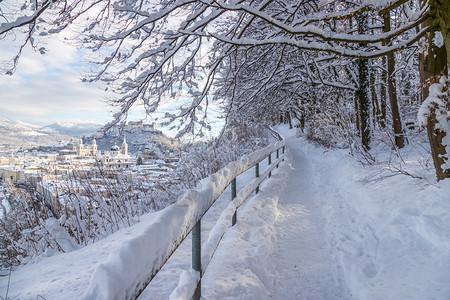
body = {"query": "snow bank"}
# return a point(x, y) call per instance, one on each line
point(215, 235)
point(187, 285)
point(242, 267)
point(59, 234)
point(389, 234)
point(129, 268)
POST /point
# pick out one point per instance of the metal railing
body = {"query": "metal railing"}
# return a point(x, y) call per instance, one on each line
point(192, 206)
point(237, 200)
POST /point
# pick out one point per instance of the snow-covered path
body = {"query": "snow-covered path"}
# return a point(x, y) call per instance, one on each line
point(302, 257)
point(278, 249)
point(326, 227)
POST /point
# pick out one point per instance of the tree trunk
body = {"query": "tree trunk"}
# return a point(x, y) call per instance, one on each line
point(392, 91)
point(364, 103)
point(373, 91)
point(289, 118)
point(383, 94)
point(377, 115)
point(362, 93)
point(431, 66)
point(435, 136)
point(440, 14)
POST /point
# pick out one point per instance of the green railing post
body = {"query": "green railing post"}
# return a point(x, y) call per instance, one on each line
point(197, 257)
point(233, 195)
point(278, 155)
point(269, 163)
point(257, 175)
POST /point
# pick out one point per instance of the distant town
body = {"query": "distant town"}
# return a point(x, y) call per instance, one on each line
point(47, 169)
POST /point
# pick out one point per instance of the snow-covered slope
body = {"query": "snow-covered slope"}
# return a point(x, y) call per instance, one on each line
point(343, 231)
point(14, 134)
point(137, 140)
point(324, 227)
point(73, 129)
point(17, 125)
point(389, 232)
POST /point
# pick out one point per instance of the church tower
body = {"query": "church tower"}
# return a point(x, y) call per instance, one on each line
point(124, 146)
point(94, 147)
point(80, 148)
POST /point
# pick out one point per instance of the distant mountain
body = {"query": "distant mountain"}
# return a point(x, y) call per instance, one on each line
point(73, 129)
point(15, 134)
point(6, 122)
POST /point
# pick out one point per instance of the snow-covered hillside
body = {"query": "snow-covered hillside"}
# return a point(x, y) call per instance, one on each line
point(15, 134)
point(75, 129)
point(137, 140)
point(323, 227)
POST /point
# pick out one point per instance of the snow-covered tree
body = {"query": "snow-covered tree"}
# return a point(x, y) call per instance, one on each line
point(147, 50)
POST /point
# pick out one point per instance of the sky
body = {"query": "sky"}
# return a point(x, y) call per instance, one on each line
point(48, 88)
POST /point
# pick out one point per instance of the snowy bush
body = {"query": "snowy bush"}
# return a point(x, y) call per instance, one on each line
point(26, 229)
point(205, 158)
point(97, 208)
point(92, 206)
point(84, 213)
point(331, 121)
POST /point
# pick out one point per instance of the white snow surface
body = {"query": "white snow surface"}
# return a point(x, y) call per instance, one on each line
point(433, 100)
point(323, 227)
point(438, 39)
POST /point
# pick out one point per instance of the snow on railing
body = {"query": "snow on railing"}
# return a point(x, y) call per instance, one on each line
point(130, 268)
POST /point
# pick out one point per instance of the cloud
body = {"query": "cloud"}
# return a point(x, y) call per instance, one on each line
point(49, 86)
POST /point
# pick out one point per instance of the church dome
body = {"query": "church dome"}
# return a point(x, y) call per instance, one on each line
point(115, 148)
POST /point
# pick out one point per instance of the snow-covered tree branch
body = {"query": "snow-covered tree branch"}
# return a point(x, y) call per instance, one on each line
point(236, 52)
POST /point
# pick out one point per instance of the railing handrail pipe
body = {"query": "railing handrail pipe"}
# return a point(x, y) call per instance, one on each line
point(180, 217)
